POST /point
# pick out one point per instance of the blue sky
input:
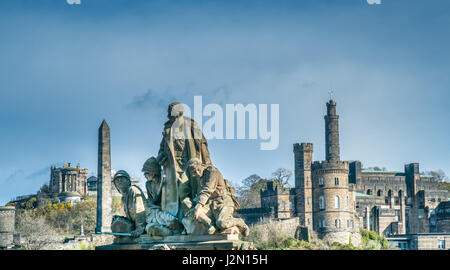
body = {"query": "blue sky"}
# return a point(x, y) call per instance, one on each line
point(64, 68)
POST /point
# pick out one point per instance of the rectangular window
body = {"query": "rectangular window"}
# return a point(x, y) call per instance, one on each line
point(441, 244)
point(321, 203)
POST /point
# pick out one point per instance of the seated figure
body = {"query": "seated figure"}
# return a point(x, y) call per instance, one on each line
point(134, 206)
point(159, 223)
point(214, 198)
point(201, 224)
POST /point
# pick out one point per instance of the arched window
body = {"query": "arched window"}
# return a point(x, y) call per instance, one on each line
point(336, 202)
point(369, 192)
point(390, 193)
point(337, 223)
point(379, 193)
point(336, 181)
point(320, 181)
point(290, 205)
point(321, 203)
point(323, 223)
point(350, 223)
point(284, 205)
point(346, 202)
point(400, 193)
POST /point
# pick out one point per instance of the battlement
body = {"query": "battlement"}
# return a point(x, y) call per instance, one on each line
point(303, 147)
point(330, 165)
point(276, 190)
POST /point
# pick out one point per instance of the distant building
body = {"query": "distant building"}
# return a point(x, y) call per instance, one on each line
point(280, 200)
point(441, 218)
point(68, 182)
point(333, 199)
point(421, 241)
point(92, 183)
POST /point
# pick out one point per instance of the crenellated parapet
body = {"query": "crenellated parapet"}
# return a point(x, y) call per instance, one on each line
point(338, 166)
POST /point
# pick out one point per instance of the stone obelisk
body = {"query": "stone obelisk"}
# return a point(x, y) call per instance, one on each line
point(104, 191)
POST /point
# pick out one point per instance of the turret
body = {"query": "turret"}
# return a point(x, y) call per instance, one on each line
point(332, 133)
point(303, 184)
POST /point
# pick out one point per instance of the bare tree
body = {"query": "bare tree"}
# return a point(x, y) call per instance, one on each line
point(282, 175)
point(439, 175)
point(35, 233)
point(249, 192)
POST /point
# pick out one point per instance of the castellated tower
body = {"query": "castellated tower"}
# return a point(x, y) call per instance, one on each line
point(333, 197)
point(303, 159)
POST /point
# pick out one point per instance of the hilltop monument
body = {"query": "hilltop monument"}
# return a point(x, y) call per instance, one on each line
point(189, 205)
point(104, 191)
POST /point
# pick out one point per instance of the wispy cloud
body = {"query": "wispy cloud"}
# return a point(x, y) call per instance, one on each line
point(14, 176)
point(20, 183)
point(150, 97)
point(41, 172)
point(161, 99)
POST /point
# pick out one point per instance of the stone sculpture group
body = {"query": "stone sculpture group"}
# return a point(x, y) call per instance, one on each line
point(186, 194)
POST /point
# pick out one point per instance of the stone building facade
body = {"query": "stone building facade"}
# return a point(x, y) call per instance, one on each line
point(7, 223)
point(396, 202)
point(421, 241)
point(68, 179)
point(333, 199)
point(440, 220)
point(280, 200)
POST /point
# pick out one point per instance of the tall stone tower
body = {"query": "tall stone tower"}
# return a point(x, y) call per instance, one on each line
point(104, 191)
point(334, 202)
point(418, 218)
point(332, 133)
point(303, 184)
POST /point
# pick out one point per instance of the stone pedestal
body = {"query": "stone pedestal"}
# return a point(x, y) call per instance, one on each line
point(179, 242)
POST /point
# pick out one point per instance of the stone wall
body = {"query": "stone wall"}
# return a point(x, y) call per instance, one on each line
point(7, 218)
point(443, 217)
point(290, 226)
point(287, 227)
point(255, 215)
point(430, 241)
